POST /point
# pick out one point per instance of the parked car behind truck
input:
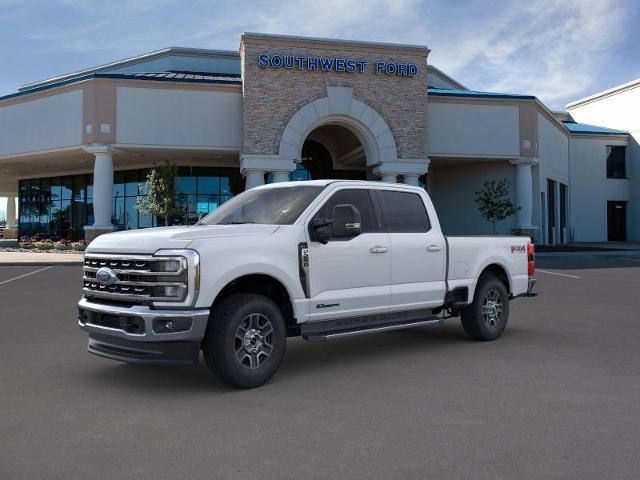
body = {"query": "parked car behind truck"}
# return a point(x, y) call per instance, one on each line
point(320, 259)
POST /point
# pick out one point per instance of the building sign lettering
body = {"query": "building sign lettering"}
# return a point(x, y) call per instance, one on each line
point(331, 64)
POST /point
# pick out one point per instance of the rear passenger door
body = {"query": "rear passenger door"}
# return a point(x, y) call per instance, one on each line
point(418, 252)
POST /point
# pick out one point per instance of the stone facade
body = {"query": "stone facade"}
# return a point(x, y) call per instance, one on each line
point(272, 96)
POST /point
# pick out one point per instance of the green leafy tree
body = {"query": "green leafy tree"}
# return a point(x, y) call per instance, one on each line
point(494, 203)
point(160, 199)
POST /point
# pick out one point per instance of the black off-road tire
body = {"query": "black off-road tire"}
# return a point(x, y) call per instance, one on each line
point(238, 325)
point(479, 319)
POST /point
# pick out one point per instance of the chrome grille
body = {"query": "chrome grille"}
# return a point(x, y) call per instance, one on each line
point(138, 278)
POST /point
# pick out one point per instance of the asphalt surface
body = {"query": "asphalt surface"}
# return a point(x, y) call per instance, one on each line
point(558, 396)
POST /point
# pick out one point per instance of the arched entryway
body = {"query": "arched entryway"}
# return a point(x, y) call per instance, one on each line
point(337, 136)
point(333, 151)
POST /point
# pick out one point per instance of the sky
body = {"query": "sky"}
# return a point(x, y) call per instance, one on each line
point(558, 50)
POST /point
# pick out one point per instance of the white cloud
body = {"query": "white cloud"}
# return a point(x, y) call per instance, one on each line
point(554, 49)
point(548, 48)
point(543, 47)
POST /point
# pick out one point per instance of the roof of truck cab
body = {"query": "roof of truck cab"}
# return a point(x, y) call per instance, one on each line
point(324, 183)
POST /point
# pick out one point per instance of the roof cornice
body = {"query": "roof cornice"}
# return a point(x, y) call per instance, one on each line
point(226, 84)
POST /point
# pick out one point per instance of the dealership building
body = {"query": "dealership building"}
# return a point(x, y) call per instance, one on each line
point(75, 149)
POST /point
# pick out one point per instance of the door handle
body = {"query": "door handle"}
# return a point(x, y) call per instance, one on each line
point(434, 248)
point(378, 249)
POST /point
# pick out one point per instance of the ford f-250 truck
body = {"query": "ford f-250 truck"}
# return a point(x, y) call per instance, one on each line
point(319, 259)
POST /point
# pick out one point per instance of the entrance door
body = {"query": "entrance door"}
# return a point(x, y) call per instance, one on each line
point(617, 221)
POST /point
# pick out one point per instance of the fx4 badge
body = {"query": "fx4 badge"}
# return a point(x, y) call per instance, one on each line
point(518, 249)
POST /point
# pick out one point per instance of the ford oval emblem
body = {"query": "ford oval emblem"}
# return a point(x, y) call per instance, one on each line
point(105, 276)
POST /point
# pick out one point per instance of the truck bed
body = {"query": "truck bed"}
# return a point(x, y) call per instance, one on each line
point(467, 257)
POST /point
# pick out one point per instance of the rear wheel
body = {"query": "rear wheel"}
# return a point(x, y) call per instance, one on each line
point(245, 341)
point(486, 318)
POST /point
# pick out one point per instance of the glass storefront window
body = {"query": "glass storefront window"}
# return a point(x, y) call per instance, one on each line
point(131, 214)
point(118, 184)
point(66, 188)
point(186, 185)
point(131, 185)
point(60, 207)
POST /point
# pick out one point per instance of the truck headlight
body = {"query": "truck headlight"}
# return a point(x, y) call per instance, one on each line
point(170, 266)
point(178, 278)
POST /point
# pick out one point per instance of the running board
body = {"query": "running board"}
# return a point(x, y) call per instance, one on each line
point(330, 335)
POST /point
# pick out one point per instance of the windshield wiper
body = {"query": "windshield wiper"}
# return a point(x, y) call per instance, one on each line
point(240, 222)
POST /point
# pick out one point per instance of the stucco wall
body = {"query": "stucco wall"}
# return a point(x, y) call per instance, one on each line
point(271, 96)
point(590, 189)
point(452, 191)
point(621, 111)
point(165, 117)
point(8, 186)
point(465, 129)
point(553, 158)
point(45, 123)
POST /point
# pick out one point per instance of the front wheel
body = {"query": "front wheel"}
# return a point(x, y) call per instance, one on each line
point(486, 318)
point(245, 341)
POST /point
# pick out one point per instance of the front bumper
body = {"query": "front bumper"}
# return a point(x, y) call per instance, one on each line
point(140, 334)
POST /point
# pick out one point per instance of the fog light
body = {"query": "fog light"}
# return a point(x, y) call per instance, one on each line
point(161, 325)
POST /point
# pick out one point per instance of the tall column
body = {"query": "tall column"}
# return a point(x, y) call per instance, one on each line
point(524, 195)
point(102, 190)
point(253, 178)
point(11, 212)
point(412, 180)
point(280, 176)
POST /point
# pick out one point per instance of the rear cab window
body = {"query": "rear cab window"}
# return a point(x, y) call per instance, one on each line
point(403, 212)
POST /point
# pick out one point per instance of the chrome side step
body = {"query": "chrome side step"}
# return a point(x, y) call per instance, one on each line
point(330, 335)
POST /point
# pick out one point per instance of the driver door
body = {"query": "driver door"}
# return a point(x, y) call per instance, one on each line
point(349, 277)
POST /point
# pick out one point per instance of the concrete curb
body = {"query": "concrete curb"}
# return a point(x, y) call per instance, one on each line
point(41, 264)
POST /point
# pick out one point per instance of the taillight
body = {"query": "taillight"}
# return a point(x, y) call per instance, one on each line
point(531, 260)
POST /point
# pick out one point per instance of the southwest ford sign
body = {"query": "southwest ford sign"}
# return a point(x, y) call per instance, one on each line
point(331, 64)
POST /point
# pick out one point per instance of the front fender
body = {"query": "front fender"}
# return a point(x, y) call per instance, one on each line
point(219, 274)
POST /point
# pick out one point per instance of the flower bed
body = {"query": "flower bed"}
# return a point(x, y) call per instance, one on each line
point(36, 244)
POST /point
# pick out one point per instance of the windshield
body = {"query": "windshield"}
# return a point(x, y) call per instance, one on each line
point(272, 206)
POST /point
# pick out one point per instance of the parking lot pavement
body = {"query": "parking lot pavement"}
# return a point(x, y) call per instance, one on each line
point(555, 397)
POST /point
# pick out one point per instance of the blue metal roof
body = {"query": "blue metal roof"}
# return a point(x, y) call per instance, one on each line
point(188, 77)
point(575, 127)
point(444, 92)
point(184, 76)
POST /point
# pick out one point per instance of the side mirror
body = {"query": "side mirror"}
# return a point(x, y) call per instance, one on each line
point(321, 229)
point(347, 221)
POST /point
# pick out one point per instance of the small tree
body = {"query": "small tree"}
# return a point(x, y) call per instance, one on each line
point(160, 200)
point(494, 203)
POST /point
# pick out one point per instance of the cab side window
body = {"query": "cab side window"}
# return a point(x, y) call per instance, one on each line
point(403, 212)
point(359, 198)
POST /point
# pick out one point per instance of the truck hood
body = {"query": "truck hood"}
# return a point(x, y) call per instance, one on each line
point(150, 240)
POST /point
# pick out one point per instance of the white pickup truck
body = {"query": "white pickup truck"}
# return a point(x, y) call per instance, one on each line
point(319, 259)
